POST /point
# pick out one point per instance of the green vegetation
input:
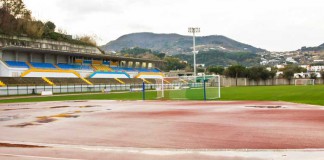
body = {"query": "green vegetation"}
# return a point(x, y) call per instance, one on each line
point(137, 52)
point(174, 63)
point(216, 70)
point(290, 70)
point(17, 20)
point(223, 58)
point(322, 76)
point(297, 94)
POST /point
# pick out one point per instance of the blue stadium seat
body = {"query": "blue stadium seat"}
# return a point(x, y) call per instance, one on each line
point(155, 70)
point(17, 64)
point(74, 66)
point(43, 65)
point(126, 69)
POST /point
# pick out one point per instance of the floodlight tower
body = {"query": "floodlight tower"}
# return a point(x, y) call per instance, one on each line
point(194, 30)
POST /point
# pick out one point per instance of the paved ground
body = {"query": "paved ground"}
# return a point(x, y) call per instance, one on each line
point(161, 130)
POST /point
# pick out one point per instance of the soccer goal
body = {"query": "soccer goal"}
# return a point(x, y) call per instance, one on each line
point(304, 82)
point(189, 87)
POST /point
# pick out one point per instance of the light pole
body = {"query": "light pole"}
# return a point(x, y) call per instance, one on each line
point(194, 30)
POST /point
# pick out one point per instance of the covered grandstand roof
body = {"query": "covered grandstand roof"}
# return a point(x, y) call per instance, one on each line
point(111, 57)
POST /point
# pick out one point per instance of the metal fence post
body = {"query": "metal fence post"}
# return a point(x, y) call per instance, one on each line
point(143, 90)
point(205, 90)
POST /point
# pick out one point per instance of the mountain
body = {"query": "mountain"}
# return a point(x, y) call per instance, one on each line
point(221, 58)
point(316, 49)
point(173, 44)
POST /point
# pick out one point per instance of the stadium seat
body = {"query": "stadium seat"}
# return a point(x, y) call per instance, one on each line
point(43, 65)
point(17, 64)
point(74, 66)
point(103, 68)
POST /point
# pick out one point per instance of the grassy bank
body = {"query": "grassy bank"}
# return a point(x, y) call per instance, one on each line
point(298, 94)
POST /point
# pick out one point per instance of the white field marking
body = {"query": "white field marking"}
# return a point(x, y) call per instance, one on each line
point(296, 153)
point(36, 157)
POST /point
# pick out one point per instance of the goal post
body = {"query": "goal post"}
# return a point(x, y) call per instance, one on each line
point(189, 87)
point(304, 82)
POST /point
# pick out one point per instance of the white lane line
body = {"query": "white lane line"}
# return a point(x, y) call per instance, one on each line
point(36, 157)
point(169, 150)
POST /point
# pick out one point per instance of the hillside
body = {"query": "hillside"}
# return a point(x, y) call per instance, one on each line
point(318, 48)
point(221, 58)
point(172, 44)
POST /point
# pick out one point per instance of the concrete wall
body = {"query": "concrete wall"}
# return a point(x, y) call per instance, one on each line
point(6, 71)
point(226, 82)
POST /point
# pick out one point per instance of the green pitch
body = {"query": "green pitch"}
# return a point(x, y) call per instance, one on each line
point(298, 94)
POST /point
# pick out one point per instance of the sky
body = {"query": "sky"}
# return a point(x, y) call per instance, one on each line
point(275, 25)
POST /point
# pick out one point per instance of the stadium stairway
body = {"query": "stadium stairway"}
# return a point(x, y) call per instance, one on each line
point(166, 81)
point(48, 81)
point(57, 67)
point(146, 81)
point(30, 66)
point(2, 84)
point(102, 68)
point(85, 80)
point(120, 81)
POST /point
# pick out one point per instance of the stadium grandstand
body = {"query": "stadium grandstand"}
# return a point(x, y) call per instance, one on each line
point(25, 61)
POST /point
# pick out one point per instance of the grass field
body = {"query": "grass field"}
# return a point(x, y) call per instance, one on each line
point(298, 94)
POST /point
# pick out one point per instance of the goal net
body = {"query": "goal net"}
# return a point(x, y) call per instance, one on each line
point(188, 87)
point(304, 82)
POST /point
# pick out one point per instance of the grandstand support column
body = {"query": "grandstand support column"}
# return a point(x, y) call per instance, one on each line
point(140, 64)
point(16, 56)
point(143, 90)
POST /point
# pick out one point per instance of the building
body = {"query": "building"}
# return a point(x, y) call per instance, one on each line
point(26, 57)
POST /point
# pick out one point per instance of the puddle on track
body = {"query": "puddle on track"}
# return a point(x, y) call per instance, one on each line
point(22, 125)
point(89, 106)
point(270, 107)
point(59, 107)
point(45, 119)
point(65, 115)
point(8, 118)
point(20, 145)
point(13, 109)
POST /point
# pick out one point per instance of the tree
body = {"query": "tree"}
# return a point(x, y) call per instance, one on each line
point(216, 70)
point(8, 23)
point(174, 63)
point(295, 68)
point(235, 71)
point(50, 26)
point(272, 74)
point(322, 76)
point(290, 70)
point(257, 73)
point(35, 29)
point(88, 39)
point(313, 76)
point(288, 74)
point(200, 70)
point(16, 8)
point(161, 55)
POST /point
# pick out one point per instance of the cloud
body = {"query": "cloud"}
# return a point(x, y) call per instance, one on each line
point(270, 24)
point(81, 7)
